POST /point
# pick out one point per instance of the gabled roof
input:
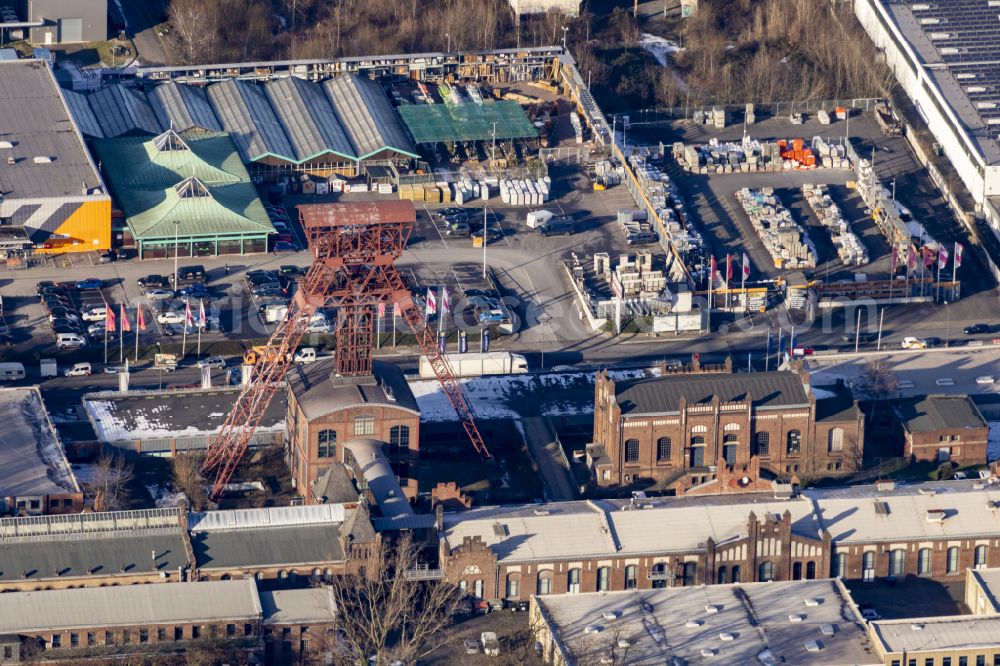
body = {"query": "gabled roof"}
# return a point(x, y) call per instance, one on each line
point(308, 119)
point(367, 116)
point(157, 163)
point(662, 395)
point(180, 107)
point(120, 110)
point(939, 412)
point(245, 113)
point(231, 209)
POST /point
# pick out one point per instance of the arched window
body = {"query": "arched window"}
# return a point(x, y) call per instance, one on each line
point(979, 561)
point(663, 449)
point(327, 444)
point(765, 572)
point(836, 440)
point(697, 452)
point(797, 571)
point(762, 444)
point(794, 442)
point(840, 565)
point(399, 437)
point(810, 570)
point(631, 578)
point(924, 562)
point(544, 583)
point(868, 566)
point(477, 588)
point(573, 581)
point(720, 577)
point(952, 566)
point(736, 573)
point(513, 585)
point(659, 575)
point(729, 446)
point(897, 562)
point(690, 573)
point(603, 579)
point(631, 450)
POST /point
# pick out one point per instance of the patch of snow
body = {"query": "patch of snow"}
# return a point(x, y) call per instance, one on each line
point(163, 497)
point(659, 47)
point(508, 396)
point(216, 415)
point(822, 394)
point(993, 442)
point(150, 422)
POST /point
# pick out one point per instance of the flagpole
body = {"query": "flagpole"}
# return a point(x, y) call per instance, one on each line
point(393, 325)
point(378, 325)
point(201, 322)
point(184, 335)
point(121, 337)
point(105, 338)
point(138, 313)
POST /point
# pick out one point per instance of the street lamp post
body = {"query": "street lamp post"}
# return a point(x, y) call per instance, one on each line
point(177, 249)
point(565, 30)
point(449, 41)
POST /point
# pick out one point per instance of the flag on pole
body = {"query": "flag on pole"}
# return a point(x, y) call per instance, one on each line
point(201, 314)
point(126, 327)
point(711, 275)
point(746, 265)
point(445, 298)
point(928, 256)
point(911, 258)
point(432, 307)
point(958, 254)
point(895, 258)
point(140, 321)
point(110, 324)
point(729, 268)
point(188, 317)
point(942, 257)
point(381, 309)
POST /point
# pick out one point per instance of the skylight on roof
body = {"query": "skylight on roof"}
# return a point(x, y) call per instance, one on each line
point(192, 188)
point(170, 141)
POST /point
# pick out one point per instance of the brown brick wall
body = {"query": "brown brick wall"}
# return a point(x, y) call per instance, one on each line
point(967, 445)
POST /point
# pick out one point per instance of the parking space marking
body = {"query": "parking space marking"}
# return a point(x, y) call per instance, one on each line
point(434, 224)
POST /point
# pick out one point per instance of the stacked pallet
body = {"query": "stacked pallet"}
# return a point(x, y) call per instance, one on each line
point(637, 277)
point(747, 156)
point(849, 247)
point(784, 239)
point(574, 120)
point(525, 192)
point(831, 155)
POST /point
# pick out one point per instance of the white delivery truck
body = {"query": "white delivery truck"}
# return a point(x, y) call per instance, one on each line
point(477, 365)
point(49, 367)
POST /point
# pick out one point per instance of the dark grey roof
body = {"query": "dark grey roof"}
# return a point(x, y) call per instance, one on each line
point(308, 118)
point(34, 117)
point(180, 107)
point(33, 461)
point(245, 112)
point(335, 486)
point(661, 395)
point(102, 554)
point(121, 110)
point(939, 412)
point(300, 544)
point(167, 414)
point(367, 116)
point(319, 393)
point(840, 407)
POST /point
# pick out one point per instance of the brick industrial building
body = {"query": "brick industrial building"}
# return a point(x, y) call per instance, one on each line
point(939, 428)
point(327, 412)
point(671, 429)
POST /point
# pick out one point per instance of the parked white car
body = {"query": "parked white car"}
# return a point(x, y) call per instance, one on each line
point(212, 362)
point(913, 343)
point(985, 379)
point(170, 317)
point(78, 370)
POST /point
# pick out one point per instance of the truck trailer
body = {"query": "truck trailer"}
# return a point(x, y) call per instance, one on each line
point(478, 365)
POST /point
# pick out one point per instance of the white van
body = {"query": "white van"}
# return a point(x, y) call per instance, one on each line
point(70, 341)
point(10, 372)
point(305, 355)
point(98, 313)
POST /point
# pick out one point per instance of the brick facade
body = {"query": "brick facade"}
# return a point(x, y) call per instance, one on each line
point(940, 429)
point(769, 550)
point(678, 448)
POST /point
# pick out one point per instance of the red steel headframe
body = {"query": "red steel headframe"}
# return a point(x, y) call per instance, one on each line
point(354, 246)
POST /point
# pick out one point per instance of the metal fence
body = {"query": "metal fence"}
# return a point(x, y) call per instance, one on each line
point(761, 111)
point(167, 446)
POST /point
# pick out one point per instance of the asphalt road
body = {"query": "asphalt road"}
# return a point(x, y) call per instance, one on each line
point(142, 17)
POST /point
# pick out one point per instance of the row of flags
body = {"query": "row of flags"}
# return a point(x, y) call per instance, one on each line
point(929, 256)
point(122, 324)
point(432, 304)
point(745, 269)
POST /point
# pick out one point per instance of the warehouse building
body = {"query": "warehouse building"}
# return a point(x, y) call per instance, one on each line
point(51, 195)
point(186, 193)
point(943, 428)
point(340, 125)
point(946, 57)
point(804, 622)
point(35, 477)
point(51, 22)
point(568, 7)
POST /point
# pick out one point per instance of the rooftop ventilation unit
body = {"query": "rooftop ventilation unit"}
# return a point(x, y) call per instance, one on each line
point(42, 159)
point(936, 515)
point(6, 144)
point(796, 617)
point(611, 615)
point(812, 602)
point(827, 629)
point(916, 627)
point(726, 636)
point(712, 608)
point(812, 646)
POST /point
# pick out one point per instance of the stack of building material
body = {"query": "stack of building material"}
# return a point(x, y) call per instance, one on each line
point(796, 155)
point(831, 155)
point(431, 194)
point(849, 247)
point(823, 117)
point(445, 189)
point(636, 277)
point(574, 119)
point(525, 192)
point(608, 172)
point(719, 117)
point(785, 240)
point(717, 157)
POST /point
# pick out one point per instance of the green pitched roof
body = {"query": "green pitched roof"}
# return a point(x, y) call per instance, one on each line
point(194, 177)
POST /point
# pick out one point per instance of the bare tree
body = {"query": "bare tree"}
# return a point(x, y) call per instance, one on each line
point(195, 25)
point(382, 613)
point(610, 646)
point(110, 481)
point(188, 478)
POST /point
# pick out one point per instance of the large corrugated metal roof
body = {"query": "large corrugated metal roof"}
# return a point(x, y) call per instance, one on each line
point(313, 605)
point(34, 461)
point(121, 110)
point(245, 112)
point(182, 107)
point(279, 516)
point(35, 118)
point(308, 119)
point(129, 605)
point(268, 546)
point(660, 395)
point(83, 114)
point(367, 115)
point(228, 210)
